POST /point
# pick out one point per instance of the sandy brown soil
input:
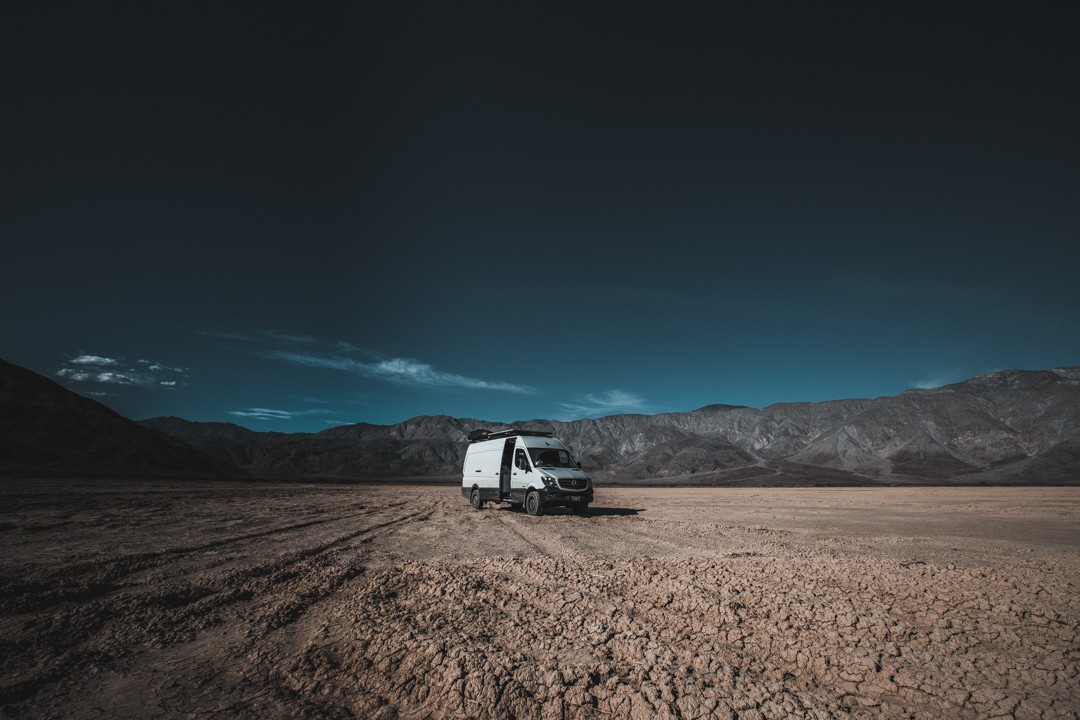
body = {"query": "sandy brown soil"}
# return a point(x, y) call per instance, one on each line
point(181, 599)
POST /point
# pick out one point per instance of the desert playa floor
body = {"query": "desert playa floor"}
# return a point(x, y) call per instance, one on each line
point(168, 599)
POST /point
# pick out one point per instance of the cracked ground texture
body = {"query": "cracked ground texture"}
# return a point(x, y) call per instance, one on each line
point(257, 600)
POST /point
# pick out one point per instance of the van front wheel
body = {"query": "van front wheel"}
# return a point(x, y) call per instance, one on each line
point(475, 500)
point(532, 503)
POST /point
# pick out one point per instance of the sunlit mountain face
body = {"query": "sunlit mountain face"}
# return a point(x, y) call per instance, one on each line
point(1004, 427)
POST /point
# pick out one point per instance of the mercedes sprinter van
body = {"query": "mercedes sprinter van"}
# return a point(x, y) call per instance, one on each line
point(523, 467)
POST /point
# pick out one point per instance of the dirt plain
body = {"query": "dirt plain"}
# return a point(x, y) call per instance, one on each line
point(170, 599)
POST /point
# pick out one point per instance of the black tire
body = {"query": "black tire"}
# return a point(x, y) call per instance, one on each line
point(532, 503)
point(580, 508)
point(475, 500)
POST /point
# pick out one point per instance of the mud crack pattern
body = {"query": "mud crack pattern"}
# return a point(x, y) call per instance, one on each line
point(384, 602)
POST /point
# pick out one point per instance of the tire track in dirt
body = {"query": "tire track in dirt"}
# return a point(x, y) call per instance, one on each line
point(436, 611)
point(513, 525)
point(174, 612)
point(325, 578)
point(560, 654)
point(274, 634)
point(570, 536)
point(89, 580)
point(538, 593)
point(783, 633)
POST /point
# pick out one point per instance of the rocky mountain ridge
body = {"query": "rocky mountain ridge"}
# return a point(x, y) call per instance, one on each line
point(1012, 426)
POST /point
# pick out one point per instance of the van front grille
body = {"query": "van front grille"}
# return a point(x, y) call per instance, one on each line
point(573, 484)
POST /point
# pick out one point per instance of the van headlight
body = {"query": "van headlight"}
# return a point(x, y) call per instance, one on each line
point(549, 481)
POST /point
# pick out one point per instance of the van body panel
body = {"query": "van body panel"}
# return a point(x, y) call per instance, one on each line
point(483, 470)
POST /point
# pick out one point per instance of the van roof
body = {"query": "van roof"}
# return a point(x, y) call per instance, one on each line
point(481, 435)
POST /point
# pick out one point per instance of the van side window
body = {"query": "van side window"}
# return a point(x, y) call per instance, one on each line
point(520, 461)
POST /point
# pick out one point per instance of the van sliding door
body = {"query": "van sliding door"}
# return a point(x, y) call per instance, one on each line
point(504, 468)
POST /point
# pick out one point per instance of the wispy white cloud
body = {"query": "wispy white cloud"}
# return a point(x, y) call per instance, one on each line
point(951, 377)
point(119, 378)
point(314, 352)
point(106, 377)
point(98, 360)
point(612, 402)
point(158, 367)
point(87, 368)
point(272, 414)
point(289, 337)
point(262, 414)
point(261, 336)
point(937, 381)
point(402, 371)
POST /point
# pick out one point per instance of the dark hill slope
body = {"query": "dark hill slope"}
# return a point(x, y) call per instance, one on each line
point(49, 431)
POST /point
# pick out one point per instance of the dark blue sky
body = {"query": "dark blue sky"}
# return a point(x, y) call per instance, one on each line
point(297, 216)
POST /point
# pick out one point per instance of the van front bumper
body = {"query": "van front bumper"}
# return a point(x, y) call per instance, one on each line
point(556, 497)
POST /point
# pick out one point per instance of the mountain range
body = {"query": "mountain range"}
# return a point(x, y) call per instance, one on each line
point(1012, 426)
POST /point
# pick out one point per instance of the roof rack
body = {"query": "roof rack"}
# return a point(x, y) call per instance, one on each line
point(481, 435)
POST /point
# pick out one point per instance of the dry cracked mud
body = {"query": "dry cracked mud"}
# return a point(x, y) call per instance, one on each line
point(273, 600)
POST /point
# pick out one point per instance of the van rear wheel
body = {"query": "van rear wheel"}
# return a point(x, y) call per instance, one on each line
point(475, 500)
point(532, 503)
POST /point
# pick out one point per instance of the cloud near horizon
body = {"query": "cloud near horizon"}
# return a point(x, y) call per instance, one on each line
point(401, 371)
point(313, 352)
point(272, 414)
point(612, 402)
point(937, 381)
point(116, 371)
point(98, 360)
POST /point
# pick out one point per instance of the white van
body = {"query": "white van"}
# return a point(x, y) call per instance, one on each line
point(523, 467)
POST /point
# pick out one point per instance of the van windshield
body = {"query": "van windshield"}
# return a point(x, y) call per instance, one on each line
point(551, 458)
